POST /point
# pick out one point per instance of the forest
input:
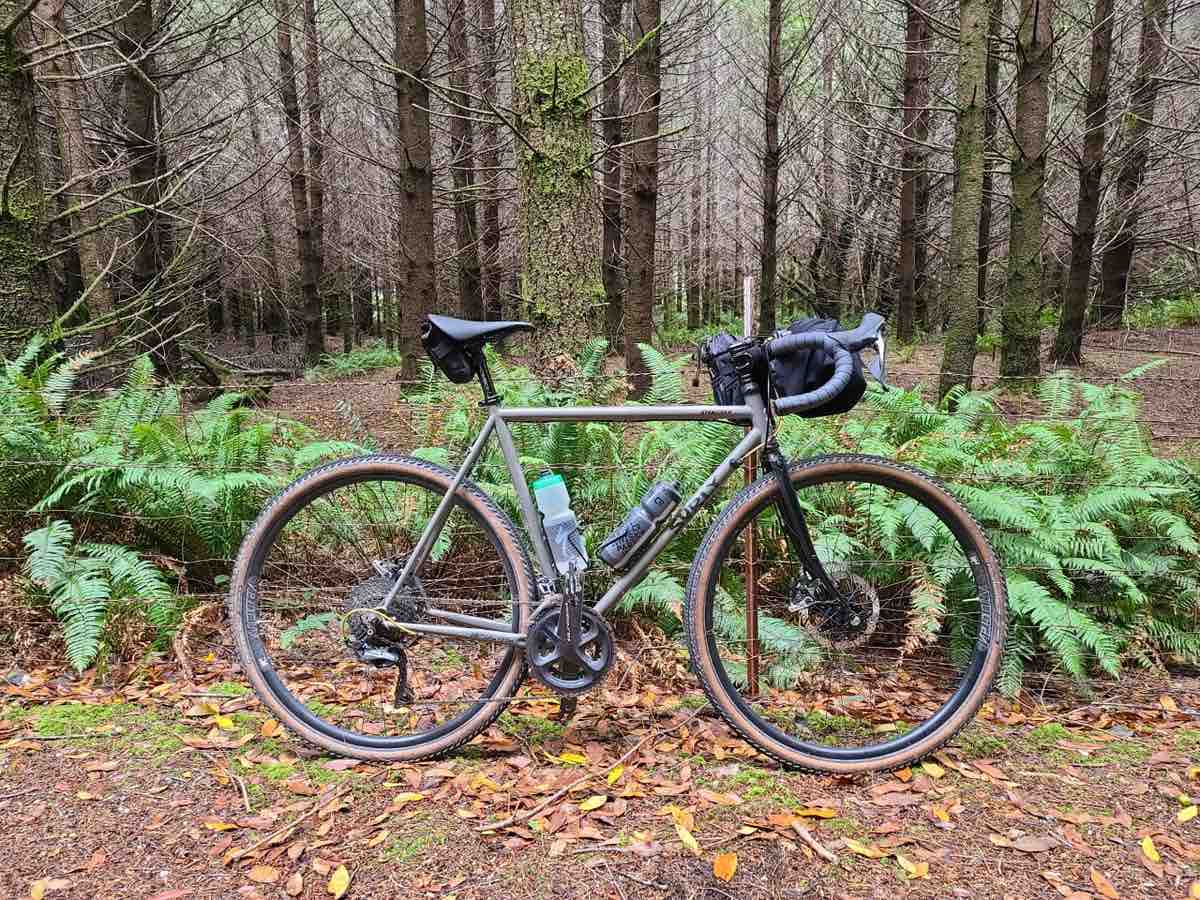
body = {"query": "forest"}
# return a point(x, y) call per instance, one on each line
point(223, 225)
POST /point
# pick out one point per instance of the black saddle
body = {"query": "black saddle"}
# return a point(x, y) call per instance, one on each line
point(465, 331)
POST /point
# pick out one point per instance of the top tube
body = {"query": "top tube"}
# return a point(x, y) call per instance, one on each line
point(742, 415)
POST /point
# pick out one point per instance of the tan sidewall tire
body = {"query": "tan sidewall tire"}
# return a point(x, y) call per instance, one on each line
point(438, 478)
point(750, 500)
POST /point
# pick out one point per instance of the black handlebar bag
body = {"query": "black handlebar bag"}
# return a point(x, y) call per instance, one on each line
point(807, 370)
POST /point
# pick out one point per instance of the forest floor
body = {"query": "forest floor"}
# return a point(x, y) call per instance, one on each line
point(1171, 391)
point(165, 787)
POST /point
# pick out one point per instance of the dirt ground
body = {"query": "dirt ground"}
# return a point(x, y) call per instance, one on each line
point(154, 786)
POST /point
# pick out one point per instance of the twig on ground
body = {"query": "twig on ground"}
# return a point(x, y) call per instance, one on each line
point(317, 804)
point(817, 847)
point(650, 884)
point(562, 792)
point(16, 794)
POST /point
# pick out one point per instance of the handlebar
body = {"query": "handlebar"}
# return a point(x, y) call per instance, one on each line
point(842, 344)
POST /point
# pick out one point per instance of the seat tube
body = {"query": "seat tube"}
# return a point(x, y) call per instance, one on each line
point(529, 513)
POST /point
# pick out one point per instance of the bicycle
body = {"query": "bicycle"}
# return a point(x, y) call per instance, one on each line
point(844, 613)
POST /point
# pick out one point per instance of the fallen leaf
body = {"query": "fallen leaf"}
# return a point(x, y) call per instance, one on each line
point(270, 728)
point(1104, 886)
point(1150, 850)
point(407, 797)
point(225, 723)
point(1186, 814)
point(573, 759)
point(687, 838)
point(263, 874)
point(1194, 891)
point(220, 826)
point(816, 812)
point(341, 765)
point(379, 838)
point(933, 770)
point(913, 869)
point(339, 883)
point(681, 817)
point(725, 866)
point(864, 850)
point(1167, 703)
point(37, 890)
point(615, 775)
point(98, 766)
point(295, 885)
point(1026, 843)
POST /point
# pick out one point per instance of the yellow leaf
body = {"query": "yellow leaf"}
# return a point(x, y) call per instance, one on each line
point(933, 770)
point(681, 817)
point(817, 812)
point(37, 890)
point(574, 759)
point(941, 814)
point(1193, 772)
point(913, 869)
point(1194, 892)
point(725, 866)
point(407, 797)
point(864, 850)
point(379, 838)
point(1186, 814)
point(687, 838)
point(224, 723)
point(615, 775)
point(220, 826)
point(593, 802)
point(1167, 703)
point(1150, 850)
point(270, 728)
point(339, 882)
point(263, 874)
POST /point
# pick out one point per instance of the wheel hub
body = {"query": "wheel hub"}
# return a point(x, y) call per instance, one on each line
point(842, 622)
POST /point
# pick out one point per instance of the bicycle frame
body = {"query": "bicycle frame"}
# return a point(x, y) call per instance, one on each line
point(753, 414)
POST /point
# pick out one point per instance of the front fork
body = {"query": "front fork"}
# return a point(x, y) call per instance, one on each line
point(794, 524)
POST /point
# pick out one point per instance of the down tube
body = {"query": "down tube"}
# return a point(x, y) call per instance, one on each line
point(727, 467)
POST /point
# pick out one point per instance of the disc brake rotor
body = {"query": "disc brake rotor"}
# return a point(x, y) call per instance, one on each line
point(844, 622)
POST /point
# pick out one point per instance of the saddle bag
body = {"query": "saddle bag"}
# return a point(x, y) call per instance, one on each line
point(451, 358)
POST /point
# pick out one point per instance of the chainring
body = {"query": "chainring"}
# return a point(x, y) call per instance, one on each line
point(836, 623)
point(560, 675)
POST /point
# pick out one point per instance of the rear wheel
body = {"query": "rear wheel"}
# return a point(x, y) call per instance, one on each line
point(876, 677)
point(330, 658)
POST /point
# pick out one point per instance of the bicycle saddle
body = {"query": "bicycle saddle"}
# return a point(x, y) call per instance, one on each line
point(466, 331)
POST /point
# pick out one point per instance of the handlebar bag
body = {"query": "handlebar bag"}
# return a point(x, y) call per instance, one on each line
point(727, 387)
point(451, 358)
point(807, 370)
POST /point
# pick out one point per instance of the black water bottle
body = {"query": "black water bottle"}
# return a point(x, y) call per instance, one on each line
point(643, 520)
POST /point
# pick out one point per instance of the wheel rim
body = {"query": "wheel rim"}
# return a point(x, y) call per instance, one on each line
point(324, 548)
point(879, 696)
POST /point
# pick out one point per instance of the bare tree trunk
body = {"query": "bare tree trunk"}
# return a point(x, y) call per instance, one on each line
point(912, 161)
point(151, 230)
point(641, 161)
point(958, 356)
point(772, 99)
point(1068, 343)
point(306, 248)
point(990, 154)
point(1118, 257)
point(462, 170)
point(276, 289)
point(77, 166)
point(1020, 348)
point(611, 11)
point(489, 163)
point(414, 154)
point(712, 304)
point(316, 159)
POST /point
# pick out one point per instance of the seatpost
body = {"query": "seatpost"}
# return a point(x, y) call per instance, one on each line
point(490, 397)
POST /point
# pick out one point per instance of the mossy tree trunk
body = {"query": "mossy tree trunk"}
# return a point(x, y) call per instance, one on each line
point(1020, 347)
point(1139, 122)
point(641, 178)
point(1068, 343)
point(25, 296)
point(489, 166)
point(611, 12)
point(558, 240)
point(990, 154)
point(958, 353)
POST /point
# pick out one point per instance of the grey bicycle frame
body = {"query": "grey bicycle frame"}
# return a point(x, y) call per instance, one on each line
point(753, 414)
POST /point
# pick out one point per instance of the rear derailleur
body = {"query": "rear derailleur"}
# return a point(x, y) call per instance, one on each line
point(569, 647)
point(374, 629)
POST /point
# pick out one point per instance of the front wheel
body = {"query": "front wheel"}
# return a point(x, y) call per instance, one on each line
point(878, 676)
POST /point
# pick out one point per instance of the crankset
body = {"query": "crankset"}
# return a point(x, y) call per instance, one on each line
point(569, 649)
